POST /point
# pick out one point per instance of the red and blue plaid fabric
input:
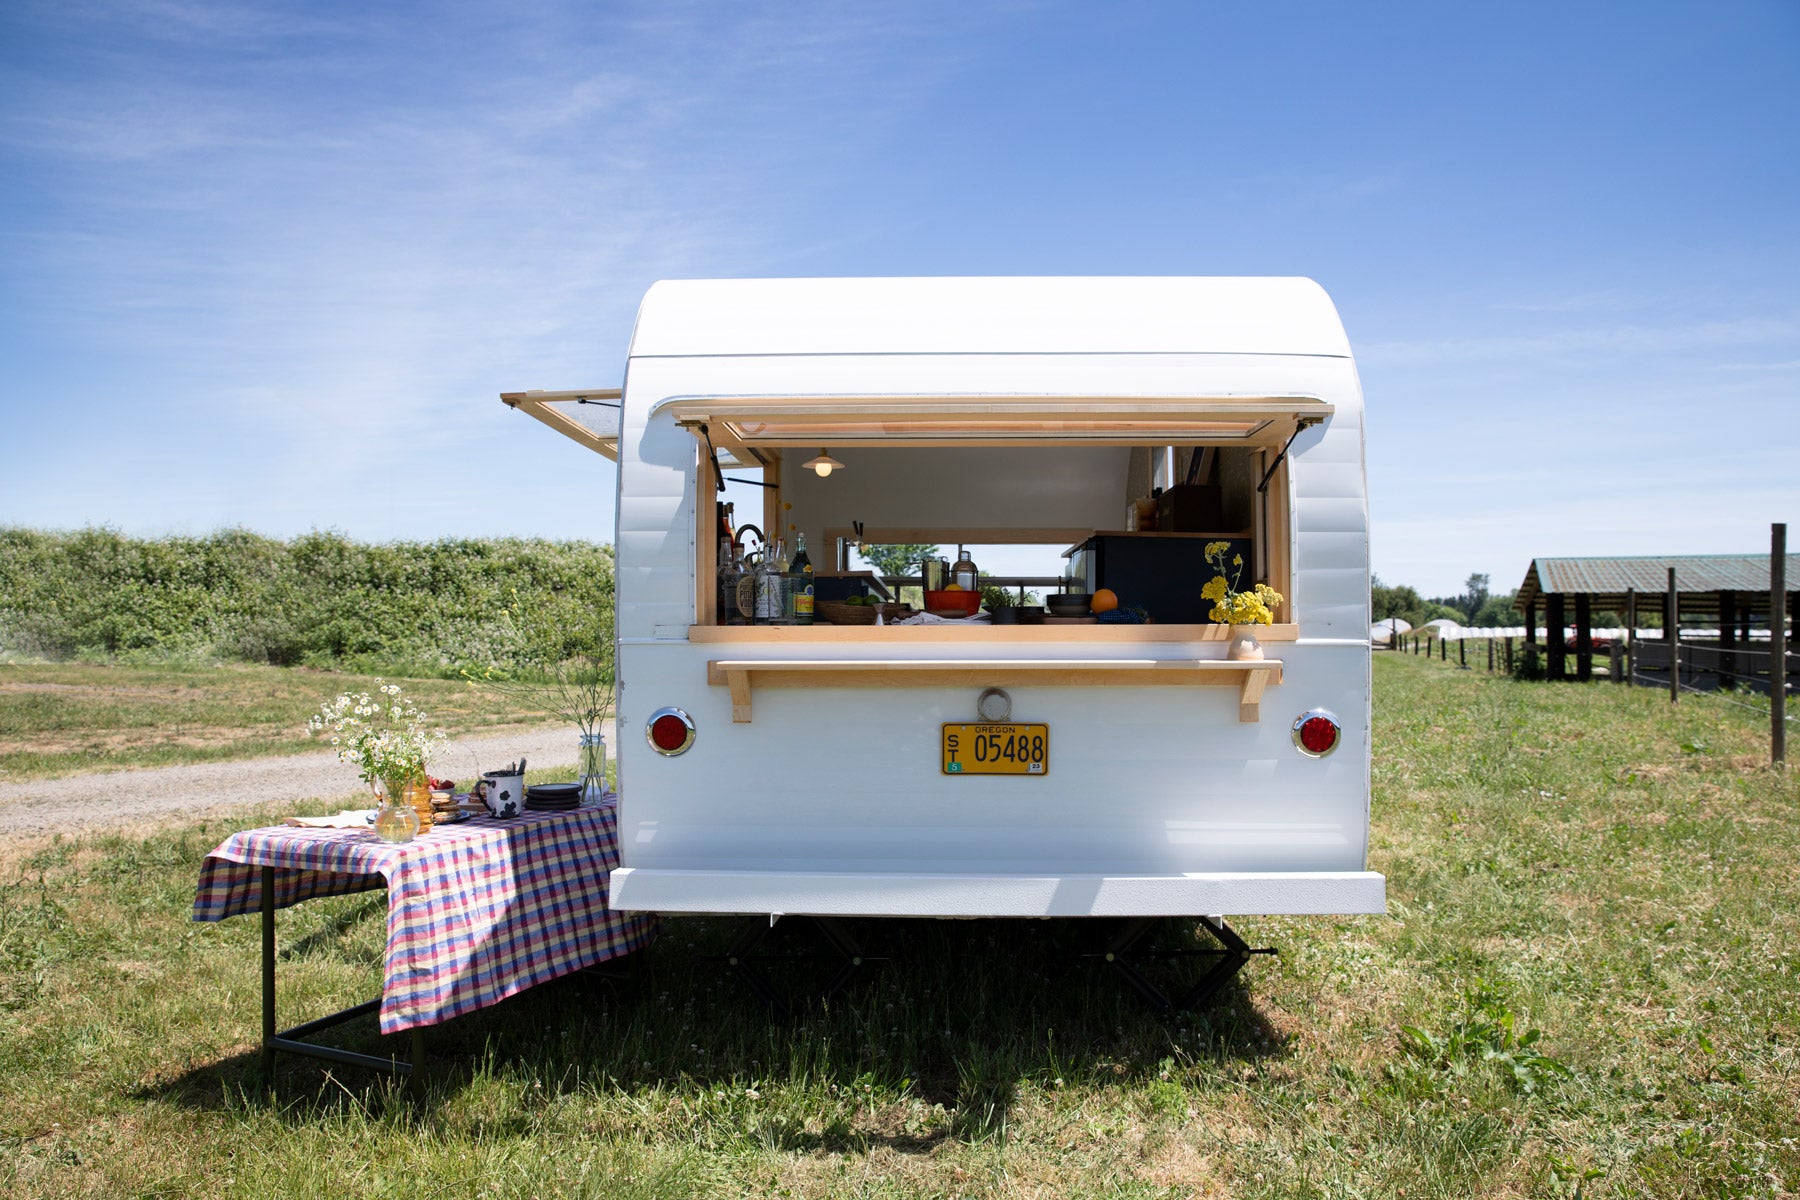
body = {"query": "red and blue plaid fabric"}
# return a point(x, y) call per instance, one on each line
point(476, 911)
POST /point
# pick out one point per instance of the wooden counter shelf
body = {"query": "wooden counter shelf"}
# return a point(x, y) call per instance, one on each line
point(743, 675)
point(829, 635)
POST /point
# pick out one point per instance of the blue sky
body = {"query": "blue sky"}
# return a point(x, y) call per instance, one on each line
point(270, 265)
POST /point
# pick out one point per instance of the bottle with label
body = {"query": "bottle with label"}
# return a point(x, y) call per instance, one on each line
point(800, 581)
point(771, 588)
point(745, 612)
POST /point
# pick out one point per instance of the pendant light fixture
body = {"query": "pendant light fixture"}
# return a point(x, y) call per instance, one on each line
point(824, 464)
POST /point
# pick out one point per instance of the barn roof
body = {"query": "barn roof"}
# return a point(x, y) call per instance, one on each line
point(1699, 578)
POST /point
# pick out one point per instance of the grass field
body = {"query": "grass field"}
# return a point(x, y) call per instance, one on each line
point(1586, 986)
point(64, 718)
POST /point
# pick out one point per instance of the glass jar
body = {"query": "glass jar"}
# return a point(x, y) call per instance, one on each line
point(417, 795)
point(395, 820)
point(593, 769)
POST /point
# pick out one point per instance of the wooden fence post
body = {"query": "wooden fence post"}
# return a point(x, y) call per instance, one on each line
point(1672, 635)
point(1778, 643)
point(1490, 656)
point(1443, 650)
point(1462, 654)
point(1509, 656)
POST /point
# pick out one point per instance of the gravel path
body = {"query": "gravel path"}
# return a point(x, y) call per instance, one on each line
point(116, 798)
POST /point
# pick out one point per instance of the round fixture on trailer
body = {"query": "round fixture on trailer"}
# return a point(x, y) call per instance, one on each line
point(669, 731)
point(824, 464)
point(993, 705)
point(1317, 732)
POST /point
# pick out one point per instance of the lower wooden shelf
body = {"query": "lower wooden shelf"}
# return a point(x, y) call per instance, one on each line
point(742, 676)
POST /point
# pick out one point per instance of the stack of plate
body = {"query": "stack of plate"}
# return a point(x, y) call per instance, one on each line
point(553, 797)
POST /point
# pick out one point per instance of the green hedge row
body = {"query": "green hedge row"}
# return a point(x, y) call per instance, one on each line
point(318, 600)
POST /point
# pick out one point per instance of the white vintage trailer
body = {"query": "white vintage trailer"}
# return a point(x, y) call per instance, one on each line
point(802, 770)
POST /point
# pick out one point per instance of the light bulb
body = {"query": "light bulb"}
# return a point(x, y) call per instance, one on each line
point(823, 468)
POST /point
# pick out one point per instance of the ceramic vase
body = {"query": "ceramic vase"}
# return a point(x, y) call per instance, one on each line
point(1244, 647)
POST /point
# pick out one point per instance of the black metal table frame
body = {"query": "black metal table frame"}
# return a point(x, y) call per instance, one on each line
point(291, 1041)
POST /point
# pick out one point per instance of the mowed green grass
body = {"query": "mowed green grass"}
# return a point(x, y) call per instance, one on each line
point(1590, 863)
point(66, 718)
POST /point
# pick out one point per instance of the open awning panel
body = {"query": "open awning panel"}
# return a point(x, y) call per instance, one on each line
point(589, 416)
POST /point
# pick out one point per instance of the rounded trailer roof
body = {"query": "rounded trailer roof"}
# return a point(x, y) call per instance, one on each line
point(1059, 315)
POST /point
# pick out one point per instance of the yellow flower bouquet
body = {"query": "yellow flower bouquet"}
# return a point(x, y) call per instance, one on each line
point(1234, 607)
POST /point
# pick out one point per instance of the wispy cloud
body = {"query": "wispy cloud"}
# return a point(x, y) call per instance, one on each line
point(1578, 341)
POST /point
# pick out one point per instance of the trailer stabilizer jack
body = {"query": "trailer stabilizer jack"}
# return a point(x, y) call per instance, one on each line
point(1121, 949)
point(840, 947)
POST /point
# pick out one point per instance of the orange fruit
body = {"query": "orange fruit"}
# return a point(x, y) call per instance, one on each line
point(1104, 601)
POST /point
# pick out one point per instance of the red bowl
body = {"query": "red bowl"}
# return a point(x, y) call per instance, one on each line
point(967, 601)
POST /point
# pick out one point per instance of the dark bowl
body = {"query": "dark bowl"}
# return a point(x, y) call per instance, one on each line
point(1030, 614)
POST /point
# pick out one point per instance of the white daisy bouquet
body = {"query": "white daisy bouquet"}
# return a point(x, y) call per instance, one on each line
point(385, 735)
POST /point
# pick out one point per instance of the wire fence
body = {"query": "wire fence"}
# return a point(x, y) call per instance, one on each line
point(1726, 673)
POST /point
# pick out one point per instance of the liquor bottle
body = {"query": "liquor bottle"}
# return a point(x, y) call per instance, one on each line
point(728, 581)
point(800, 579)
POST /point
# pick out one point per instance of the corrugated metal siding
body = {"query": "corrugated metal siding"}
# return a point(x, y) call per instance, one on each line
point(1693, 573)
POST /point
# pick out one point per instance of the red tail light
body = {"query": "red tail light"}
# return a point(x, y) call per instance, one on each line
point(670, 731)
point(1317, 733)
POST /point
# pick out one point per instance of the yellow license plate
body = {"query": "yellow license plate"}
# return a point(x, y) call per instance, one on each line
point(993, 748)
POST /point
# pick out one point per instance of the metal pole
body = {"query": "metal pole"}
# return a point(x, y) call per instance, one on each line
point(1778, 643)
point(1630, 636)
point(268, 976)
point(1672, 635)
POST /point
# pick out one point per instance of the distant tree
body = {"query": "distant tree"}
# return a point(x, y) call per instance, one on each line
point(897, 558)
point(1497, 612)
point(1475, 594)
point(1400, 601)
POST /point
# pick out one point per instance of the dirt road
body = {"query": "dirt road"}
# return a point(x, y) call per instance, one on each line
point(159, 794)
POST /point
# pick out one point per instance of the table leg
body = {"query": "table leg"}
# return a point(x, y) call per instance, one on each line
point(289, 1040)
point(268, 976)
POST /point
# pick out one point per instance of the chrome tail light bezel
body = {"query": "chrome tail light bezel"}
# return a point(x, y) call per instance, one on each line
point(1312, 714)
point(650, 731)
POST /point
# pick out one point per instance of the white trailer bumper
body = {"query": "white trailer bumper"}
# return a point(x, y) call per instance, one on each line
point(808, 893)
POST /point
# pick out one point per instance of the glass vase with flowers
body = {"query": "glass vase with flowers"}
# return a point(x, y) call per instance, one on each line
point(388, 739)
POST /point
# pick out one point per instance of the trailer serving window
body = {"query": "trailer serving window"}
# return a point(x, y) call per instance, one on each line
point(1058, 471)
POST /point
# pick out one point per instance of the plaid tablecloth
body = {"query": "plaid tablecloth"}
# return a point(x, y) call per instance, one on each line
point(476, 911)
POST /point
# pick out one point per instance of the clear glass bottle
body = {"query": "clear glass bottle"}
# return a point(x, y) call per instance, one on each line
point(964, 573)
point(772, 590)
